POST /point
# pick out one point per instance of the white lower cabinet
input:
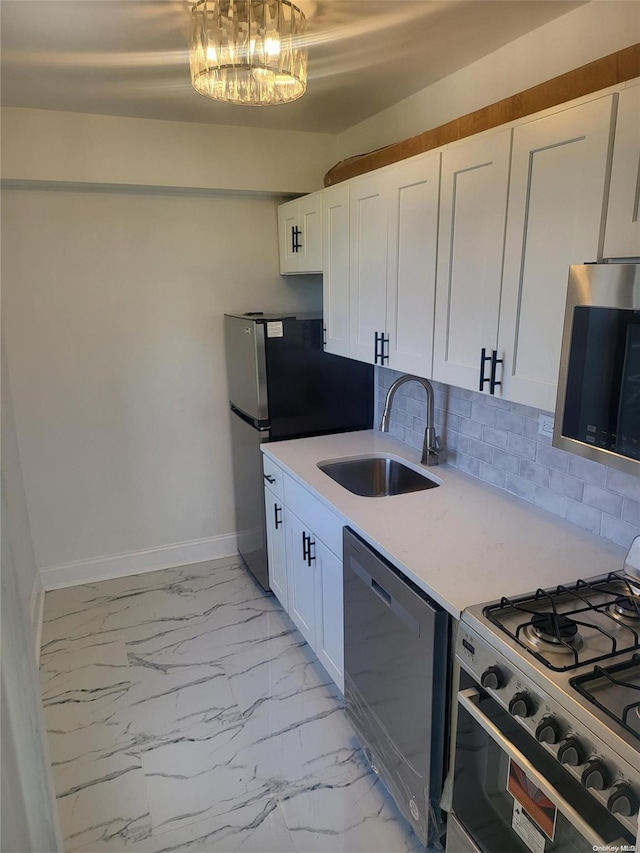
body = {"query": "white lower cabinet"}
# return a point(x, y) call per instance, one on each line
point(329, 613)
point(301, 563)
point(276, 546)
point(305, 571)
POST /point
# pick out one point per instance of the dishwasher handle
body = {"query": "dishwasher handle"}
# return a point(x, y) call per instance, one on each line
point(381, 592)
point(378, 590)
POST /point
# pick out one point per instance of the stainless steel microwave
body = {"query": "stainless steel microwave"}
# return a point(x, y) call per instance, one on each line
point(598, 403)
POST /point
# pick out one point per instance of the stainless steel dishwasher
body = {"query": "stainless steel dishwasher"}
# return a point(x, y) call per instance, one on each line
point(396, 662)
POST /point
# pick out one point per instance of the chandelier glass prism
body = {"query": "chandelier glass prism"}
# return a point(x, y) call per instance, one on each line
point(248, 51)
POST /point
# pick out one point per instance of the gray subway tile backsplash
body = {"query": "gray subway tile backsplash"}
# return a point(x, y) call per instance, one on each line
point(499, 443)
point(603, 500)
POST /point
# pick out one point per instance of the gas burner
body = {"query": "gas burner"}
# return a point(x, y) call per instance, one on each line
point(616, 690)
point(626, 607)
point(553, 630)
point(571, 626)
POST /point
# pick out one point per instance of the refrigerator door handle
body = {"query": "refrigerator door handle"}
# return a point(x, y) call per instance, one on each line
point(261, 426)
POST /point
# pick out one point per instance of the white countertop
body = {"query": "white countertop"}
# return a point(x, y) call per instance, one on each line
point(463, 543)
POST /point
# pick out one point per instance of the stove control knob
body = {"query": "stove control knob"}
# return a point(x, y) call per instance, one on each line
point(521, 705)
point(548, 730)
point(596, 776)
point(492, 678)
point(622, 801)
point(571, 752)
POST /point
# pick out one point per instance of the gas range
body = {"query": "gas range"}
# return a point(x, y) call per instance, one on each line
point(565, 664)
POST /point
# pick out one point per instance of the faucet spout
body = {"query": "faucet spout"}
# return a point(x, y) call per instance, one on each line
point(431, 445)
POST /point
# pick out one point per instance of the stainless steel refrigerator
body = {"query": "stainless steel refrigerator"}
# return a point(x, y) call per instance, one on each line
point(283, 385)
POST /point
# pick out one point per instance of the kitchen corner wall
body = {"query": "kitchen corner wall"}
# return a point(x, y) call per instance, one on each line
point(498, 442)
point(112, 311)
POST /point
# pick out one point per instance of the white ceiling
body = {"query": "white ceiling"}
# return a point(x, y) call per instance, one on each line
point(129, 57)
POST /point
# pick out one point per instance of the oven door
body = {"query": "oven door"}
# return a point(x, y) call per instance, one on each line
point(511, 796)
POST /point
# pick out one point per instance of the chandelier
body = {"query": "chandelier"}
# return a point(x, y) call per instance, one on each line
point(248, 51)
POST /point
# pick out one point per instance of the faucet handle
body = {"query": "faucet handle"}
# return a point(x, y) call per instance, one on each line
point(431, 447)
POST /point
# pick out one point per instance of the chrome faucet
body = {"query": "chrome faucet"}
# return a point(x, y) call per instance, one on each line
point(431, 446)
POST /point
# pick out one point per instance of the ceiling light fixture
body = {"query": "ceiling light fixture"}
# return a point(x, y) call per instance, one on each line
point(248, 51)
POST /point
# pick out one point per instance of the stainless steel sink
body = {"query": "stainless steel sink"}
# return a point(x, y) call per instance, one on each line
point(376, 476)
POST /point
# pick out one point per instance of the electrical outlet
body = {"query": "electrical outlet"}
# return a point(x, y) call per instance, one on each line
point(545, 425)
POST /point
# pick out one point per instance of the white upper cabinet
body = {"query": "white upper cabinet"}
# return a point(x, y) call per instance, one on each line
point(300, 235)
point(556, 199)
point(411, 277)
point(335, 267)
point(287, 225)
point(473, 211)
point(393, 236)
point(368, 218)
point(622, 234)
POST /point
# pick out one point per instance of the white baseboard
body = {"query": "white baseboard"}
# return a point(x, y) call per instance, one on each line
point(36, 613)
point(136, 562)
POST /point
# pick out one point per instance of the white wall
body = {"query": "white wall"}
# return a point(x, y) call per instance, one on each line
point(581, 36)
point(113, 306)
point(45, 145)
point(27, 799)
point(16, 520)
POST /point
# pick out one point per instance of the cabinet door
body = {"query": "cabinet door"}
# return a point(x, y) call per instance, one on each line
point(622, 234)
point(335, 268)
point(287, 222)
point(329, 613)
point(301, 579)
point(276, 546)
point(310, 223)
point(556, 197)
point(367, 264)
point(473, 211)
point(411, 276)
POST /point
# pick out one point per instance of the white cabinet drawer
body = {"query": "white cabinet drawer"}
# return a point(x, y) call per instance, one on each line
point(273, 477)
point(321, 521)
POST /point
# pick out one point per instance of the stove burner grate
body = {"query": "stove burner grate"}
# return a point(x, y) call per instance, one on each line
point(554, 628)
point(627, 607)
point(615, 690)
point(546, 631)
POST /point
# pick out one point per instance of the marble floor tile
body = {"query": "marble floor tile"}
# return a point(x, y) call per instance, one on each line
point(102, 803)
point(186, 713)
point(348, 816)
point(83, 690)
point(257, 827)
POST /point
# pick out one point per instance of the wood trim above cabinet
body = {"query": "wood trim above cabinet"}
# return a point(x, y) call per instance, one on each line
point(608, 71)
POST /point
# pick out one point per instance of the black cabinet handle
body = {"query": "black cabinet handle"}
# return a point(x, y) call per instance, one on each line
point(293, 239)
point(277, 519)
point(269, 478)
point(324, 337)
point(495, 361)
point(378, 347)
point(483, 358)
point(296, 234)
point(307, 542)
point(385, 350)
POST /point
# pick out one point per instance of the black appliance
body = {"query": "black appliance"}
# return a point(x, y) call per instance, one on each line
point(282, 384)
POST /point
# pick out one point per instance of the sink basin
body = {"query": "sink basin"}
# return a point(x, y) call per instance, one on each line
point(376, 476)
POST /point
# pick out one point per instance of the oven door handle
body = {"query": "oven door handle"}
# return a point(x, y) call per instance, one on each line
point(469, 701)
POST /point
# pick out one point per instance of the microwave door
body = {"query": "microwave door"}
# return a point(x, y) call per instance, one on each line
point(628, 432)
